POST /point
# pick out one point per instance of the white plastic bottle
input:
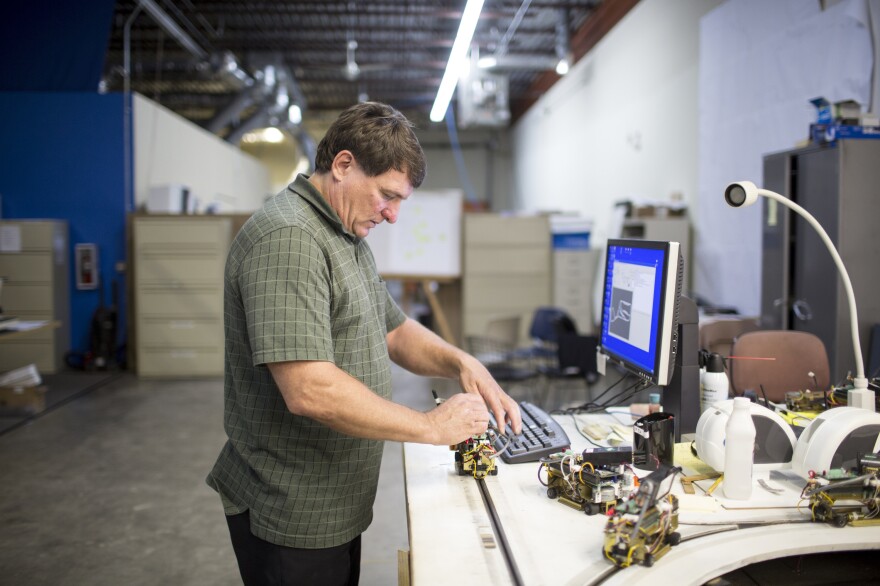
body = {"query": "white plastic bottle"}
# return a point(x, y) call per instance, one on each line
point(714, 385)
point(739, 451)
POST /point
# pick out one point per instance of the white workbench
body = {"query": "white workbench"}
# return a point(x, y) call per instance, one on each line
point(452, 540)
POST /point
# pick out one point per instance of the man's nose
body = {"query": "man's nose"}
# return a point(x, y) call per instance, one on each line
point(390, 212)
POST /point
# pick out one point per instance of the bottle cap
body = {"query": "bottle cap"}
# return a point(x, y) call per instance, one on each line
point(715, 363)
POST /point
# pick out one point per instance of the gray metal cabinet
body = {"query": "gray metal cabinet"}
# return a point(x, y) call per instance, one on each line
point(800, 286)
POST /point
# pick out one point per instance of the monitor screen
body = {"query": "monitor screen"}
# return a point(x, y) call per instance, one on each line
point(642, 287)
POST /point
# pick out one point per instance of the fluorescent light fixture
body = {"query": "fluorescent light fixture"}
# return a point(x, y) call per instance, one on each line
point(562, 66)
point(457, 58)
point(487, 62)
point(294, 114)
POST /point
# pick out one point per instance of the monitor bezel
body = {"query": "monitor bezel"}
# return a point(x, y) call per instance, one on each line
point(665, 336)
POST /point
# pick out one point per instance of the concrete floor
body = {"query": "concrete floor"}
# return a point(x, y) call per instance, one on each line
point(108, 489)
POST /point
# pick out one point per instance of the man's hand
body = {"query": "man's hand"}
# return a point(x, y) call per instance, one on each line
point(458, 418)
point(474, 378)
point(421, 351)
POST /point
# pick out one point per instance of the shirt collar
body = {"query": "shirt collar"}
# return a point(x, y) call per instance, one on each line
point(306, 190)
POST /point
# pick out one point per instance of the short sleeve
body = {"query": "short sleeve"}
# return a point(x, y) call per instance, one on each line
point(285, 289)
point(394, 316)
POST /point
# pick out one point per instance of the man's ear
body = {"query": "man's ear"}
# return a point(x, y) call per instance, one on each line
point(342, 165)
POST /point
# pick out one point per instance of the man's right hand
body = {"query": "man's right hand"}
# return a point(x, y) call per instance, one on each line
point(460, 417)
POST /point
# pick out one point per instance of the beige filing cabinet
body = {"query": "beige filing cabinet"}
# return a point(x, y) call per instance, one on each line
point(673, 229)
point(574, 272)
point(506, 271)
point(178, 294)
point(34, 263)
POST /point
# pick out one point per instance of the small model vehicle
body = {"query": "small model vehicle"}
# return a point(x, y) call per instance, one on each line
point(840, 498)
point(806, 400)
point(642, 529)
point(475, 457)
point(584, 487)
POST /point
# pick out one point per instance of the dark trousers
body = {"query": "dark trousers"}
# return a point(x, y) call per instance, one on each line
point(265, 564)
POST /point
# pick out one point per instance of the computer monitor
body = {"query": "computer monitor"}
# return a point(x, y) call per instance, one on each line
point(640, 308)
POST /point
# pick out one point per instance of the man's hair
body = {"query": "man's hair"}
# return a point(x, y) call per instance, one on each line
point(379, 137)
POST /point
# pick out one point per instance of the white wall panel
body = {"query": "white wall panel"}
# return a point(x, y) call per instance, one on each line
point(168, 149)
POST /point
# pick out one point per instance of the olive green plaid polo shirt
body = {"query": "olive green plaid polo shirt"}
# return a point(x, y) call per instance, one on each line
point(299, 286)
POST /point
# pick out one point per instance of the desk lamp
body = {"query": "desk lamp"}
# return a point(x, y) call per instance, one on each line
point(745, 193)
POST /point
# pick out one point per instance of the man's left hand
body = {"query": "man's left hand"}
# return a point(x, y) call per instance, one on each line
point(474, 378)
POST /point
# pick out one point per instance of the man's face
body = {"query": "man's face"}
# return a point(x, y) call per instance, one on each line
point(368, 201)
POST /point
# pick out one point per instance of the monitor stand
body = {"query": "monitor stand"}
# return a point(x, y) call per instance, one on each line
point(681, 396)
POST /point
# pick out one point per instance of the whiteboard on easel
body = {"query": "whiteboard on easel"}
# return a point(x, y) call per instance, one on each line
point(425, 240)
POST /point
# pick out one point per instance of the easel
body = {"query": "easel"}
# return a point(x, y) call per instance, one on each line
point(426, 282)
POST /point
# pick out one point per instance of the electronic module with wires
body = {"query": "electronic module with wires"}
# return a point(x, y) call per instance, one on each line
point(475, 457)
point(581, 485)
point(642, 529)
point(806, 400)
point(842, 497)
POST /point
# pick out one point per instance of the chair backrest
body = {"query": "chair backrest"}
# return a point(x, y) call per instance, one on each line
point(796, 354)
point(546, 323)
point(718, 335)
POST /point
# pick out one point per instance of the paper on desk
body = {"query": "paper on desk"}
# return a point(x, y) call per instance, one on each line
point(690, 464)
point(789, 485)
point(22, 325)
point(697, 503)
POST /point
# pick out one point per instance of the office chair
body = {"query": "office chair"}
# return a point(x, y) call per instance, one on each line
point(717, 334)
point(796, 355)
point(543, 332)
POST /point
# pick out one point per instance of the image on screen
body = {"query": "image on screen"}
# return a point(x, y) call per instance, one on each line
point(632, 303)
point(636, 275)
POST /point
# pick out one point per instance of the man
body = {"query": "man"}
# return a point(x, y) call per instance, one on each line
point(310, 328)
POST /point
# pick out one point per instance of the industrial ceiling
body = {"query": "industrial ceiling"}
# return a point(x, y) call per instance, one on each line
point(230, 65)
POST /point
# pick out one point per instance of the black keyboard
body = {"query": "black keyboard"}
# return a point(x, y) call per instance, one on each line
point(541, 435)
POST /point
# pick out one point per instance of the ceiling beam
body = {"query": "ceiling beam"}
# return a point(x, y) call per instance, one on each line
point(595, 27)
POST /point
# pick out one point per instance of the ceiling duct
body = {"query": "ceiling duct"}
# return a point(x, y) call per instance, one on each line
point(241, 102)
point(224, 66)
point(171, 27)
point(259, 120)
point(275, 90)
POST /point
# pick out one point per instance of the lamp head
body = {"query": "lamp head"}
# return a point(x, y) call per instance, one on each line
point(741, 194)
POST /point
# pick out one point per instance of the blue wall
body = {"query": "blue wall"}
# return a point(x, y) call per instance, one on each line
point(62, 157)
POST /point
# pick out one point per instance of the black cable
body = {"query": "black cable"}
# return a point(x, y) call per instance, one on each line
point(591, 403)
point(766, 402)
point(626, 394)
point(605, 392)
point(613, 399)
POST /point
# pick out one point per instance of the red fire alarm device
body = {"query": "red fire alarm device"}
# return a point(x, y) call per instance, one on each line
point(86, 257)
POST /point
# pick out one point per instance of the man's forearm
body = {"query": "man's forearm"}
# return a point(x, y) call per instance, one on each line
point(321, 391)
point(421, 351)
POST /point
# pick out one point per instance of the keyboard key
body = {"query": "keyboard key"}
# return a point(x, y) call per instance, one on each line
point(542, 435)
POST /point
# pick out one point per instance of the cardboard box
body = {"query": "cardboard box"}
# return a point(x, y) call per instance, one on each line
point(829, 133)
point(22, 400)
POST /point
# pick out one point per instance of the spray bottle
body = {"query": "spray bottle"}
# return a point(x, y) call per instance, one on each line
point(714, 385)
